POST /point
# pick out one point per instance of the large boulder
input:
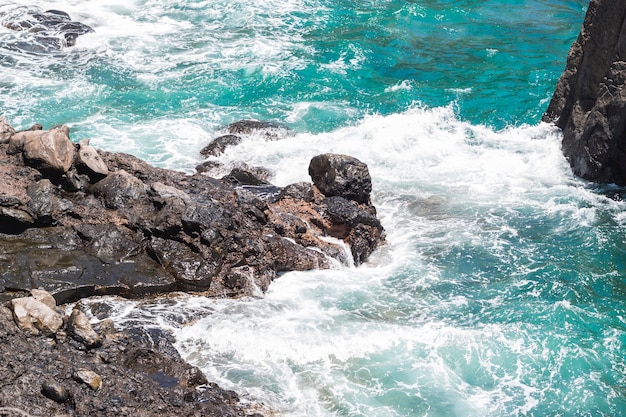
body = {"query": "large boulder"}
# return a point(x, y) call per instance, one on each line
point(49, 151)
point(589, 102)
point(341, 176)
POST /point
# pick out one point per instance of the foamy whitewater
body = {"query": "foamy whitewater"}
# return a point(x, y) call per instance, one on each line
point(501, 289)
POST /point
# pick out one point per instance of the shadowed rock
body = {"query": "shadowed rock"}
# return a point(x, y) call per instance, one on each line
point(589, 102)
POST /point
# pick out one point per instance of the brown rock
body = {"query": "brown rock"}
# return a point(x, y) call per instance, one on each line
point(49, 151)
point(6, 131)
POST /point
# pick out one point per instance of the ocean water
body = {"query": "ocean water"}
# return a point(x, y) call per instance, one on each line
point(501, 290)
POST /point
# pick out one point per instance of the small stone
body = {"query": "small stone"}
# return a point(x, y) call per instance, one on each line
point(55, 391)
point(6, 131)
point(87, 377)
point(80, 329)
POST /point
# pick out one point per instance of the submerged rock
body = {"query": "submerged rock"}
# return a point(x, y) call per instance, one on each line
point(589, 102)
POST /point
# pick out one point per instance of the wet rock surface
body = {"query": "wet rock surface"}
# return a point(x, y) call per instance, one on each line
point(129, 373)
point(111, 224)
point(123, 227)
point(40, 31)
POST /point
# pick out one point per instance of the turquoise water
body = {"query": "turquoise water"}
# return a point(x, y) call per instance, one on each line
point(501, 289)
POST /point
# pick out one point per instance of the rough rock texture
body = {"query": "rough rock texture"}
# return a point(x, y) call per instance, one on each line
point(42, 31)
point(141, 230)
point(589, 103)
point(132, 373)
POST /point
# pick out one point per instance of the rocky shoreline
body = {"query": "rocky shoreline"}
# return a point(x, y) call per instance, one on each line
point(78, 222)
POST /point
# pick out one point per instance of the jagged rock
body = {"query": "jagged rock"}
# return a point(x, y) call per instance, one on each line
point(89, 162)
point(6, 131)
point(143, 230)
point(300, 191)
point(89, 378)
point(270, 130)
point(51, 30)
point(342, 176)
point(120, 189)
point(219, 144)
point(589, 102)
point(44, 297)
point(247, 175)
point(41, 202)
point(79, 328)
point(35, 316)
point(49, 151)
point(191, 270)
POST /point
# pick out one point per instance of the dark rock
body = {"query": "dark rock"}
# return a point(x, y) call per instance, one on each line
point(120, 189)
point(358, 227)
point(41, 202)
point(342, 176)
point(191, 270)
point(589, 102)
point(55, 391)
point(246, 175)
point(144, 230)
point(49, 30)
point(270, 130)
point(299, 191)
point(219, 144)
point(208, 166)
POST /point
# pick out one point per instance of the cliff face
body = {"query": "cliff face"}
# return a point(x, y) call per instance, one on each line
point(589, 102)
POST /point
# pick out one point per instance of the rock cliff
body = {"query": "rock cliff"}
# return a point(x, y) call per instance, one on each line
point(589, 103)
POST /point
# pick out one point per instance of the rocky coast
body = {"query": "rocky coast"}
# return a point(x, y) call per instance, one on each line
point(79, 222)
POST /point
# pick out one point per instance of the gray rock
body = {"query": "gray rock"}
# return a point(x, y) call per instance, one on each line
point(219, 144)
point(89, 162)
point(341, 176)
point(41, 201)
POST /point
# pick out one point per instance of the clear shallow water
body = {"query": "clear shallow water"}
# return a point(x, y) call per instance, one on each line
point(501, 289)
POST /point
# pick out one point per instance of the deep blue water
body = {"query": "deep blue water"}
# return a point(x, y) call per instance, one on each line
point(501, 289)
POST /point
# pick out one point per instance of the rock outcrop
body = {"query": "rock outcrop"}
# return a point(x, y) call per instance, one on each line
point(74, 368)
point(39, 31)
point(589, 103)
point(80, 222)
